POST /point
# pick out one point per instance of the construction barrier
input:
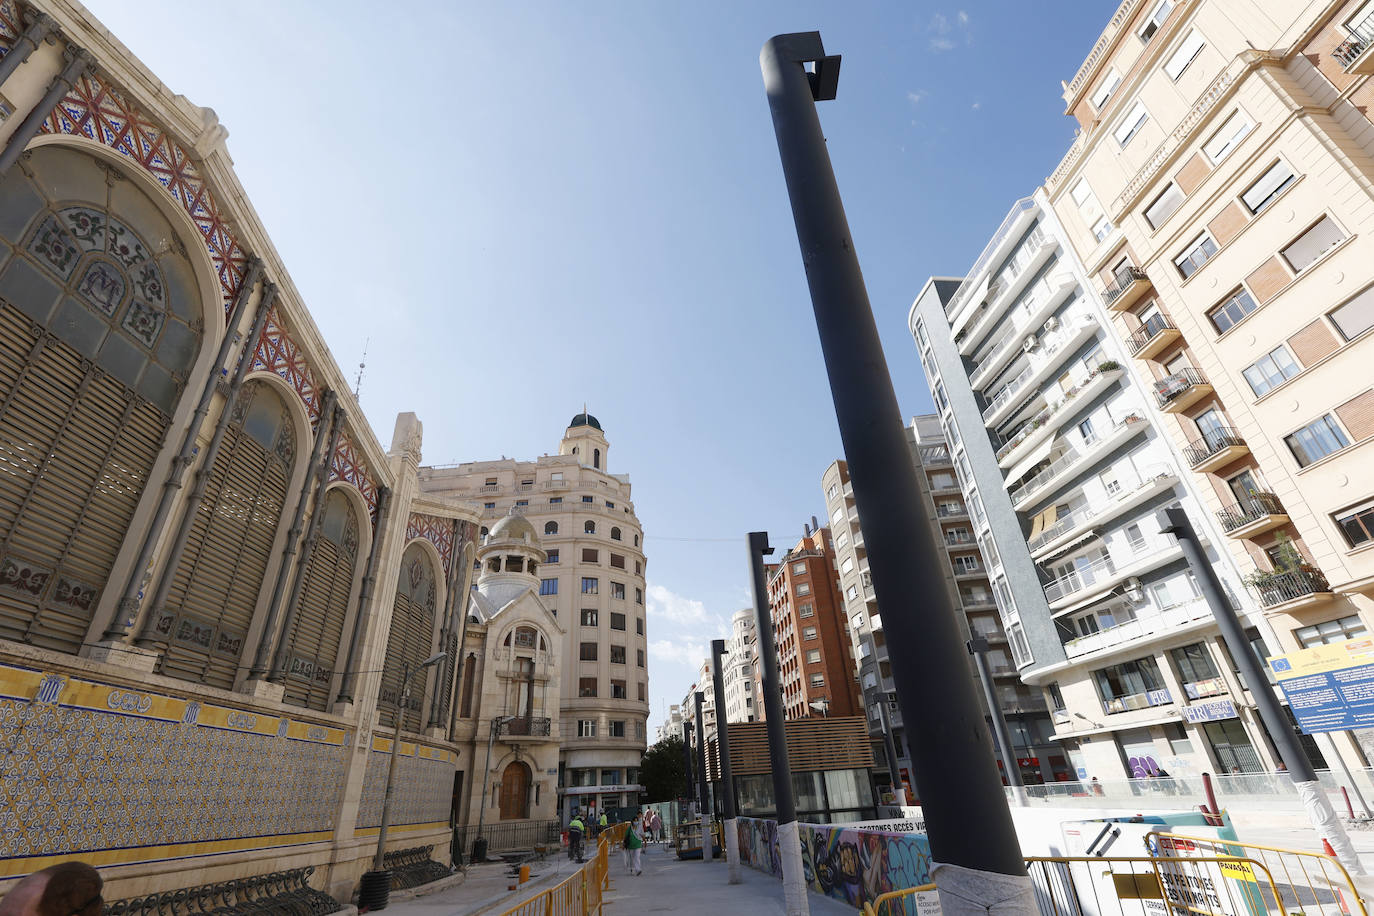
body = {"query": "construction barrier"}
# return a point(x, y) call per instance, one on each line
point(911, 900)
point(1207, 885)
point(580, 894)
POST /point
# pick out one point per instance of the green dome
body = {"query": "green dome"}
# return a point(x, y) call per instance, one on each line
point(585, 419)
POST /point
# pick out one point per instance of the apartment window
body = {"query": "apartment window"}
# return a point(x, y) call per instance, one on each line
point(1198, 252)
point(617, 731)
point(609, 504)
point(1106, 88)
point(638, 568)
point(1130, 125)
point(842, 540)
point(1135, 538)
point(1192, 43)
point(833, 489)
point(847, 565)
point(548, 586)
point(587, 652)
point(813, 656)
point(591, 555)
point(798, 569)
point(1267, 187)
point(589, 528)
point(836, 517)
point(617, 621)
point(617, 690)
point(639, 657)
point(591, 586)
point(808, 633)
point(615, 532)
point(618, 590)
point(851, 593)
point(639, 626)
point(586, 686)
point(555, 500)
point(1196, 671)
point(818, 680)
point(589, 499)
point(488, 505)
point(1110, 481)
point(1270, 371)
point(1316, 440)
point(617, 655)
point(1357, 524)
point(1156, 19)
point(1231, 311)
point(1356, 316)
point(1227, 136)
point(551, 527)
point(1332, 631)
point(586, 728)
point(643, 692)
point(803, 588)
point(589, 617)
point(1056, 696)
point(639, 595)
point(965, 564)
point(1131, 685)
point(522, 502)
point(617, 561)
point(1163, 206)
point(553, 556)
point(1307, 248)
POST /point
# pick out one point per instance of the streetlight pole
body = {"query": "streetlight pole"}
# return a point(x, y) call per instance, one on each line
point(486, 772)
point(978, 648)
point(727, 781)
point(378, 881)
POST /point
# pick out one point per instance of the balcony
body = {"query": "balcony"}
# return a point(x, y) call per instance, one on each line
point(1052, 354)
point(1152, 338)
point(1296, 588)
point(961, 511)
point(1127, 286)
point(1086, 517)
point(1254, 515)
point(524, 727)
point(1214, 450)
point(490, 488)
point(1095, 580)
point(1061, 467)
point(1032, 254)
point(1049, 419)
point(1356, 53)
point(1059, 286)
point(1177, 392)
point(1165, 621)
point(556, 485)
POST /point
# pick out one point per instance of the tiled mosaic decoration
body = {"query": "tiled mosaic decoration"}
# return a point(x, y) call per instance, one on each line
point(347, 464)
point(421, 793)
point(96, 110)
point(9, 26)
point(438, 531)
point(88, 767)
point(277, 353)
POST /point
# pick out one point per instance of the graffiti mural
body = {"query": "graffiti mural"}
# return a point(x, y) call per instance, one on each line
point(842, 862)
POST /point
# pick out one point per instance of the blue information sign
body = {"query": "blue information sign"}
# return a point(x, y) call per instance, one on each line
point(1329, 688)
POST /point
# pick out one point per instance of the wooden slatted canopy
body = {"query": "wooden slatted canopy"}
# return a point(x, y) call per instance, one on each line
point(314, 644)
point(833, 743)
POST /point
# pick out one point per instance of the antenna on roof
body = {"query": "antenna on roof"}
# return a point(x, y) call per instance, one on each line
point(362, 364)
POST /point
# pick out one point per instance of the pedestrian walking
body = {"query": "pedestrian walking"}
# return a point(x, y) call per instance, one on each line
point(602, 824)
point(633, 845)
point(656, 825)
point(576, 830)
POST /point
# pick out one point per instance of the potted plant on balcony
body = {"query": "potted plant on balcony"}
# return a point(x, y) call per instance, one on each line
point(1108, 365)
point(1287, 560)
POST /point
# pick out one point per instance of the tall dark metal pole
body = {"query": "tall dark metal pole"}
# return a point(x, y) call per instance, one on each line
point(978, 648)
point(690, 789)
point(708, 847)
point(789, 840)
point(952, 757)
point(727, 781)
point(1175, 521)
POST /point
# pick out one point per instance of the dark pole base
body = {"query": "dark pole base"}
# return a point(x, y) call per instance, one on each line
point(375, 891)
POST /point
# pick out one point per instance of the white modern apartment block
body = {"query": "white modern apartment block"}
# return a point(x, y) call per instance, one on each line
point(738, 667)
point(672, 724)
point(1063, 465)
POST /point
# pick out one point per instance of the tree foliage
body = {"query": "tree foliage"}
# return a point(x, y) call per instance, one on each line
point(663, 772)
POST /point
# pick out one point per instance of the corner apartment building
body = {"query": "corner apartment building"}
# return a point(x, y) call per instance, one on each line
point(1063, 467)
point(815, 661)
point(593, 580)
point(738, 673)
point(1220, 190)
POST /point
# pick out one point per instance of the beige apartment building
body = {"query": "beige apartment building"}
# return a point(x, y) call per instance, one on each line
point(1220, 189)
point(593, 583)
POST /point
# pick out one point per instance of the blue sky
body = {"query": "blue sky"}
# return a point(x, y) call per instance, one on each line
point(523, 206)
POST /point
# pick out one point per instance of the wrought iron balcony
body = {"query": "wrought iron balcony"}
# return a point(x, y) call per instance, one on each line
point(1152, 337)
point(525, 727)
point(1350, 52)
point(1257, 512)
point(1126, 286)
point(1283, 587)
point(1214, 449)
point(1181, 389)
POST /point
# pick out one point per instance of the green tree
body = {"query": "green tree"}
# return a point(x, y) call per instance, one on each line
point(663, 773)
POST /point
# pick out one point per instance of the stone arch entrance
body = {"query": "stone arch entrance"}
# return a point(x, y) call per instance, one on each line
point(515, 791)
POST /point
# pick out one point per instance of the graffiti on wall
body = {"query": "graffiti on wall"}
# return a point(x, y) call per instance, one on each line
point(842, 862)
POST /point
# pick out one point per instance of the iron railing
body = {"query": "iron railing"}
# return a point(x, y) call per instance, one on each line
point(1361, 34)
point(1121, 281)
point(413, 867)
point(277, 892)
point(525, 727)
point(1176, 384)
point(1215, 442)
point(1147, 332)
point(1280, 588)
point(1251, 509)
point(506, 837)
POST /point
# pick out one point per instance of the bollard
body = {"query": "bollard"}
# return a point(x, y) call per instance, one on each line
point(524, 873)
point(1348, 807)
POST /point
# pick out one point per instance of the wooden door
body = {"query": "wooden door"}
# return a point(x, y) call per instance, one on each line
point(515, 792)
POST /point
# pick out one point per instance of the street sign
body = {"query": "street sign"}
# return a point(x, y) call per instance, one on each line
point(1329, 688)
point(1211, 711)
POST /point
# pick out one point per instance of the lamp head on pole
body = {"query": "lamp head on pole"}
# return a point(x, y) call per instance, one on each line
point(433, 659)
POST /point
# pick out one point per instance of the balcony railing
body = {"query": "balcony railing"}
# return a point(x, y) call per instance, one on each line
point(955, 512)
point(1280, 588)
point(1174, 386)
point(1068, 460)
point(1080, 578)
point(1148, 332)
point(1361, 36)
point(1048, 413)
point(1088, 512)
point(1148, 625)
point(1214, 443)
point(1249, 510)
point(525, 727)
point(1121, 281)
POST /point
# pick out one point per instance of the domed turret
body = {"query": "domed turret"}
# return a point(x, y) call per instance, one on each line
point(585, 439)
point(510, 553)
point(515, 528)
point(585, 419)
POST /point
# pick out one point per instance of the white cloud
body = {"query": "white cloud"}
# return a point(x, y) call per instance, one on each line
point(915, 96)
point(963, 18)
point(941, 44)
point(939, 24)
point(683, 652)
point(977, 105)
point(670, 607)
point(946, 33)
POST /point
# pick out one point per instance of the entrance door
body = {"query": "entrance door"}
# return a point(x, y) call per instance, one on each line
point(1235, 753)
point(515, 792)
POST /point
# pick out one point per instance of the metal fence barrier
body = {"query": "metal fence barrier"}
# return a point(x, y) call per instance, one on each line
point(1152, 886)
point(893, 902)
point(580, 894)
point(507, 837)
point(284, 892)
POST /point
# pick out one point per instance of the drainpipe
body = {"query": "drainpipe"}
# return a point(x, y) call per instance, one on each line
point(312, 537)
point(78, 61)
point(146, 637)
point(350, 676)
point(438, 705)
point(127, 609)
point(40, 29)
point(465, 580)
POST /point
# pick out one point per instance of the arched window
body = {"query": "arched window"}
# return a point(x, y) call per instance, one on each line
point(215, 587)
point(411, 639)
point(313, 645)
point(596, 458)
point(551, 527)
point(615, 534)
point(589, 527)
point(99, 327)
point(483, 532)
point(636, 540)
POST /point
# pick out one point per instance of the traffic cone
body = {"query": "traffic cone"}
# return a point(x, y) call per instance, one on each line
point(1326, 847)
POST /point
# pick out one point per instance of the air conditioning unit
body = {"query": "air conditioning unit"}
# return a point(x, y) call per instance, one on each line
point(1052, 323)
point(1030, 343)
